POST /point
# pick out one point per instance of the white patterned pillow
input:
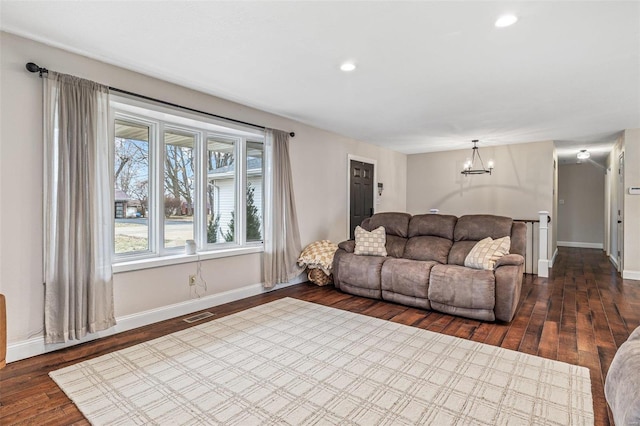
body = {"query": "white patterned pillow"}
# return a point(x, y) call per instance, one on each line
point(486, 252)
point(371, 243)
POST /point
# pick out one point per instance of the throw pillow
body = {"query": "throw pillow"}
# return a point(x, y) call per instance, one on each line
point(486, 252)
point(371, 243)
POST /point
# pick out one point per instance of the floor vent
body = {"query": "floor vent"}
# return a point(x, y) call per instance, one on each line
point(198, 317)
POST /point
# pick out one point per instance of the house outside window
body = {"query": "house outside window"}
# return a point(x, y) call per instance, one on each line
point(182, 176)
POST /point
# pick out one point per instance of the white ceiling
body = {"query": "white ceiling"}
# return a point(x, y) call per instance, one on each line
point(431, 75)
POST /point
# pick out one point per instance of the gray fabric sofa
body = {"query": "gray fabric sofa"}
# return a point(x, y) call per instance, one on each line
point(425, 268)
point(622, 385)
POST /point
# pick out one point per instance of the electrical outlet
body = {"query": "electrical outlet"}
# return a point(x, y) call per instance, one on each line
point(192, 280)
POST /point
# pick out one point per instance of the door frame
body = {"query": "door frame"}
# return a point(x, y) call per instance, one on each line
point(374, 186)
point(620, 216)
point(607, 211)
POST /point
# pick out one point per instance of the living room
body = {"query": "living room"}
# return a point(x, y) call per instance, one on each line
point(416, 179)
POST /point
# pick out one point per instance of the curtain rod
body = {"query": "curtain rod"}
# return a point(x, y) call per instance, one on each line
point(31, 67)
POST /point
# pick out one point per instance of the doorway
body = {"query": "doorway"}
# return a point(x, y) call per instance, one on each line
point(361, 187)
point(620, 207)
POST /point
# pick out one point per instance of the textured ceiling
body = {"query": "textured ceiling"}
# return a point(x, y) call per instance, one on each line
point(431, 75)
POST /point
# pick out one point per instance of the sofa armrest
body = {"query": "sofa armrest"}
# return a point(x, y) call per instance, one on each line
point(508, 288)
point(349, 246)
point(623, 380)
point(510, 259)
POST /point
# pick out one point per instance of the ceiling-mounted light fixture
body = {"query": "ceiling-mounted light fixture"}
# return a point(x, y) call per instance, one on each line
point(468, 165)
point(506, 21)
point(348, 66)
point(583, 154)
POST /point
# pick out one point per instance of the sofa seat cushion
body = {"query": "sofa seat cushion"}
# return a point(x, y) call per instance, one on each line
point(463, 291)
point(360, 275)
point(408, 277)
point(407, 282)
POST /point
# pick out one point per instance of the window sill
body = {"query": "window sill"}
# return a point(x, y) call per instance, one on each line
point(155, 262)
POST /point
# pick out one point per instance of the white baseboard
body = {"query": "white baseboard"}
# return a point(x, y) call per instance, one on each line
point(613, 260)
point(631, 275)
point(580, 245)
point(36, 346)
point(543, 268)
point(553, 258)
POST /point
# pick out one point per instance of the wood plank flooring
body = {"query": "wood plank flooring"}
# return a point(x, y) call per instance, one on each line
point(581, 314)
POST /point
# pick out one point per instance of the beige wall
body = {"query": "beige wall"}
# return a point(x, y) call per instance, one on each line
point(581, 208)
point(521, 184)
point(631, 205)
point(319, 163)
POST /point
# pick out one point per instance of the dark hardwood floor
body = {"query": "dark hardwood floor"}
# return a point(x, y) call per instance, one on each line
point(581, 314)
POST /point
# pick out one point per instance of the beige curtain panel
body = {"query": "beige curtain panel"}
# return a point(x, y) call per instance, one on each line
point(77, 210)
point(282, 237)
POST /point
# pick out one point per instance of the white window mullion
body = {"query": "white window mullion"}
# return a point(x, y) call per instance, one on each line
point(200, 196)
point(158, 183)
point(241, 178)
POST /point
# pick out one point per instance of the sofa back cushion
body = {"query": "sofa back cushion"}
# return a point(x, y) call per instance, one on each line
point(394, 223)
point(436, 225)
point(395, 246)
point(470, 229)
point(396, 226)
point(426, 247)
point(477, 227)
point(518, 238)
point(430, 237)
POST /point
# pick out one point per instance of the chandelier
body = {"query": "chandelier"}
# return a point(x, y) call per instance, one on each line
point(469, 169)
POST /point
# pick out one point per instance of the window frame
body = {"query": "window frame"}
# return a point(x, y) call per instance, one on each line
point(237, 142)
point(160, 119)
point(151, 202)
point(162, 227)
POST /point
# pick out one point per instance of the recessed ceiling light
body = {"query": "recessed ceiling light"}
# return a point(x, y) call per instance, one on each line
point(348, 66)
point(506, 20)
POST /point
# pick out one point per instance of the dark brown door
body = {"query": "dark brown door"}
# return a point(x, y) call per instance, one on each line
point(361, 193)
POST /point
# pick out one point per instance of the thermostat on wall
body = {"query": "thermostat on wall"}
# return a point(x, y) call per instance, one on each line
point(634, 190)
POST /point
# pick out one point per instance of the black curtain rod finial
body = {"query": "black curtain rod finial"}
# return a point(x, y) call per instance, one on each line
point(292, 134)
point(31, 67)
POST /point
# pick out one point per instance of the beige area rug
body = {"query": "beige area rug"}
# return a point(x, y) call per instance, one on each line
point(292, 362)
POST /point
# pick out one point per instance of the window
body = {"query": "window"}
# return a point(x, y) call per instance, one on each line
point(221, 189)
point(179, 187)
point(180, 176)
point(254, 206)
point(131, 179)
